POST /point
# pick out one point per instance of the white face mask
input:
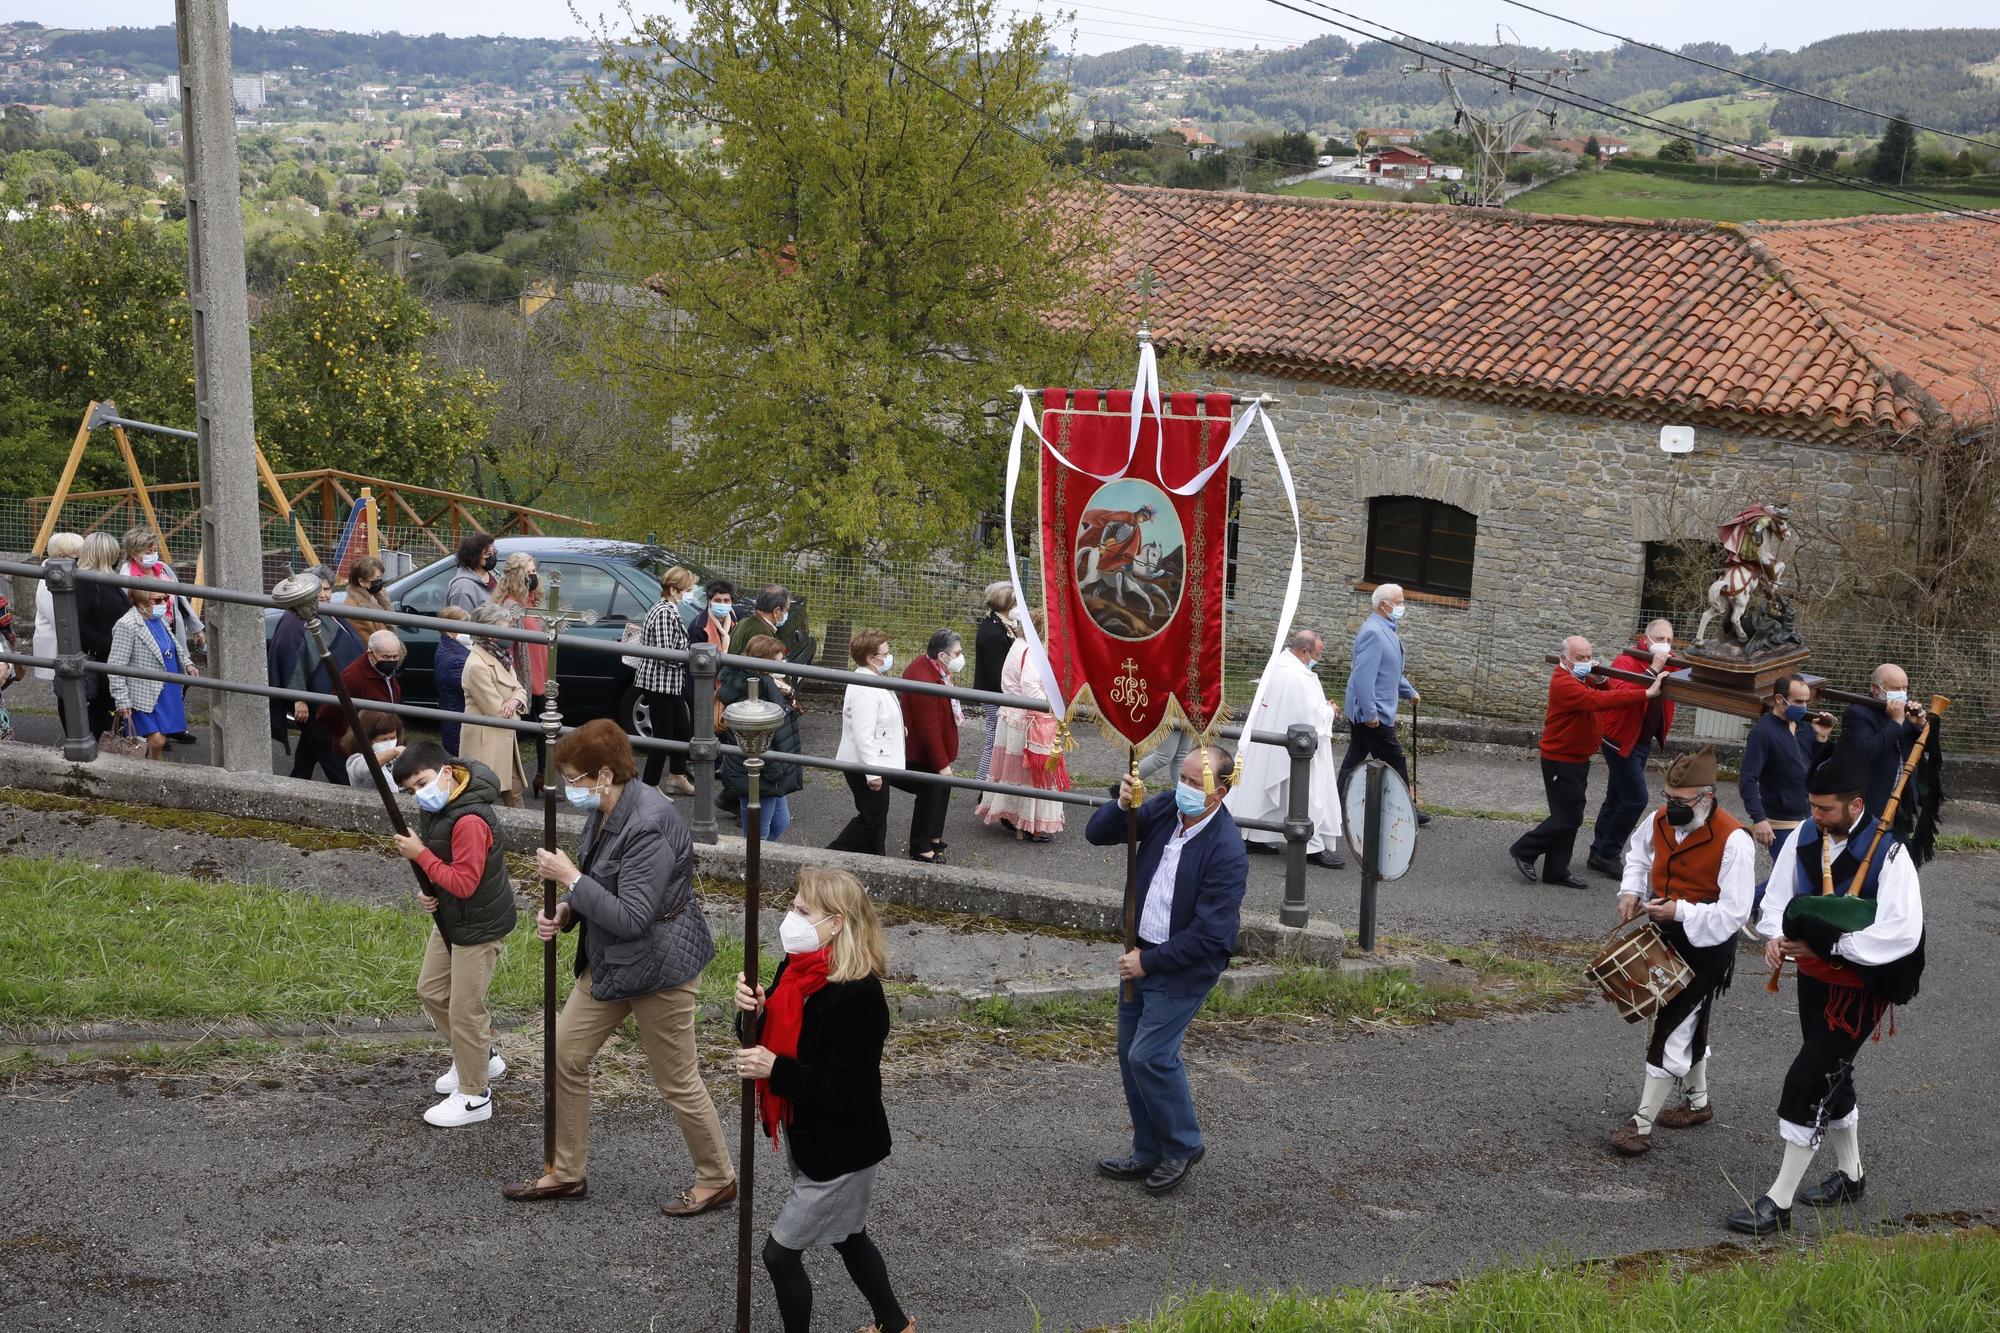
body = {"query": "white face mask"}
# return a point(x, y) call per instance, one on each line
point(797, 934)
point(384, 746)
point(1895, 696)
point(465, 639)
point(955, 663)
point(149, 557)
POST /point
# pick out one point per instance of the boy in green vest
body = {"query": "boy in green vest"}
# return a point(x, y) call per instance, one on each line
point(457, 846)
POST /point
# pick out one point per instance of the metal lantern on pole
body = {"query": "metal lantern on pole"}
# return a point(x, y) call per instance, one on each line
point(299, 594)
point(752, 722)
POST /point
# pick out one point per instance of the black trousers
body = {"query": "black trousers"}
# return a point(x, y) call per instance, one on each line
point(314, 747)
point(868, 831)
point(1567, 787)
point(672, 721)
point(928, 814)
point(1713, 968)
point(97, 705)
point(1364, 743)
point(1819, 1087)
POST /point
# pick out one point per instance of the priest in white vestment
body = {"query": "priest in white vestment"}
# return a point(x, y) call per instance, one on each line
point(1292, 694)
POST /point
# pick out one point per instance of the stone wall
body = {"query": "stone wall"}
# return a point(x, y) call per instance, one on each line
point(1565, 506)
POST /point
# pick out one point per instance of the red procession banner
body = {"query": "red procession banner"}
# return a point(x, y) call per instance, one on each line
point(1132, 573)
point(1134, 521)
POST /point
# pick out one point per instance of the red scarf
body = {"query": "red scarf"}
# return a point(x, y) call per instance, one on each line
point(784, 1014)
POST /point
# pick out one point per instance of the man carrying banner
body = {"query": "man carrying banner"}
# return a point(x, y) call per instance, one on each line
point(1291, 694)
point(1191, 874)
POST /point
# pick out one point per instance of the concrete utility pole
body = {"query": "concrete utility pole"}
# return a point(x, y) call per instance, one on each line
point(231, 534)
point(1492, 137)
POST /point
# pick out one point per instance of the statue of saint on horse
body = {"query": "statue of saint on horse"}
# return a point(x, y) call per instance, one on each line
point(1751, 539)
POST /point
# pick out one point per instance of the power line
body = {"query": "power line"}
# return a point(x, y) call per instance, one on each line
point(1613, 111)
point(1747, 77)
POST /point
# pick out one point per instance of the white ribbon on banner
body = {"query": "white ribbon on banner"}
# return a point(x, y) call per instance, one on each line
point(1145, 396)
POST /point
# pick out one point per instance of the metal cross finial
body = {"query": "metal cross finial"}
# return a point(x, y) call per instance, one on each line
point(1146, 284)
point(554, 621)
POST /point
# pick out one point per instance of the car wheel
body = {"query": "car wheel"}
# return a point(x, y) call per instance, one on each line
point(635, 714)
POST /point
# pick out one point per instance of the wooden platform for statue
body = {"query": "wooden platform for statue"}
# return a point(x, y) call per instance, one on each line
point(1739, 688)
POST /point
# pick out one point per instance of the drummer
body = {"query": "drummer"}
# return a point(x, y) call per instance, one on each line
point(1692, 868)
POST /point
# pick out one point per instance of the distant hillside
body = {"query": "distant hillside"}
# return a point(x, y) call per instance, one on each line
point(367, 56)
point(1944, 77)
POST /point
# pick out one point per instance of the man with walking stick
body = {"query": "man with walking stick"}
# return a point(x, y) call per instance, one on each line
point(1191, 874)
point(1375, 683)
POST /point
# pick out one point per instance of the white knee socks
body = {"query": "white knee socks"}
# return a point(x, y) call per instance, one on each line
point(1651, 1100)
point(1797, 1159)
point(1696, 1083)
point(1846, 1144)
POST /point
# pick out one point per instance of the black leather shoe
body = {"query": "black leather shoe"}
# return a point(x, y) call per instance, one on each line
point(1172, 1173)
point(1332, 860)
point(182, 738)
point(1835, 1189)
point(1526, 867)
point(1604, 865)
point(1260, 848)
point(1126, 1168)
point(1569, 882)
point(1422, 819)
point(1762, 1218)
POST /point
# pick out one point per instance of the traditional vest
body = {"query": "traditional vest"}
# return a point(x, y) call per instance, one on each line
point(1689, 870)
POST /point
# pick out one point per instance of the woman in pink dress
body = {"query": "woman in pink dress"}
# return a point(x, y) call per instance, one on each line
point(1024, 750)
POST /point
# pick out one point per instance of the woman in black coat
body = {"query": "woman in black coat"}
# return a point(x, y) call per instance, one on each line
point(100, 606)
point(989, 657)
point(818, 1067)
point(781, 778)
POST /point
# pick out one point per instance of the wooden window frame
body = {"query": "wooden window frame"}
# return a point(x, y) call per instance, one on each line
point(1371, 578)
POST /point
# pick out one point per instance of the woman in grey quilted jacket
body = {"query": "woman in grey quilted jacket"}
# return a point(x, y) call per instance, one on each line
point(642, 944)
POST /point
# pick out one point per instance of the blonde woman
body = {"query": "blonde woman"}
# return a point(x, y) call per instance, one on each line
point(99, 606)
point(492, 690)
point(1024, 751)
point(520, 591)
point(818, 1066)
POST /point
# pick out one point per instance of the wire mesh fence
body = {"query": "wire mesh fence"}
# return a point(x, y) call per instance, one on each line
point(1468, 669)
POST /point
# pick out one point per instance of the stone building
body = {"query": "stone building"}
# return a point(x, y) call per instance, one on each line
point(1472, 402)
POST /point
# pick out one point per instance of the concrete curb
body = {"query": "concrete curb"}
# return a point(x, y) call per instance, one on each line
point(982, 893)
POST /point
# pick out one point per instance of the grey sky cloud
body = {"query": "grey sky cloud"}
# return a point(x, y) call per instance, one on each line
point(1104, 25)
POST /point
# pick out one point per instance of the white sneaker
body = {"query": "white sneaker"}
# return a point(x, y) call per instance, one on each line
point(459, 1109)
point(448, 1081)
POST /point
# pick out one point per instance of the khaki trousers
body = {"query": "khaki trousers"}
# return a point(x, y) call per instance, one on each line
point(666, 1029)
point(452, 985)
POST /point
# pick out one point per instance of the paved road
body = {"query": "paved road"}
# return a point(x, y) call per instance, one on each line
point(322, 1202)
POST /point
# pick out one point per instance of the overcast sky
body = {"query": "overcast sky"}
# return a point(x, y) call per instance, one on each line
point(1108, 24)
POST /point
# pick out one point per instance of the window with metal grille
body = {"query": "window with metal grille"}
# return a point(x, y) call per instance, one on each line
point(1425, 545)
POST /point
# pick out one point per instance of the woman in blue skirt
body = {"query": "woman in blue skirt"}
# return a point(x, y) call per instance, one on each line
point(145, 637)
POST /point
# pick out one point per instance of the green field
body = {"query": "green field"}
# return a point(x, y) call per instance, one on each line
point(1333, 190)
point(1632, 194)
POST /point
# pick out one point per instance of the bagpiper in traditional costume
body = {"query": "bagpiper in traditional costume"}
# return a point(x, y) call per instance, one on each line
point(1844, 902)
point(1692, 867)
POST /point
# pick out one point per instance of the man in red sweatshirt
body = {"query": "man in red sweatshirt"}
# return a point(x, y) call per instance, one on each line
point(1571, 733)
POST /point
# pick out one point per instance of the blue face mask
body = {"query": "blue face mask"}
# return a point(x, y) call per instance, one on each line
point(1189, 800)
point(1396, 613)
point(158, 611)
point(1581, 670)
point(1795, 712)
point(434, 797)
point(721, 610)
point(583, 798)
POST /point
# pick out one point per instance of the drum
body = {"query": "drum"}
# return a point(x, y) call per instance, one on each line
point(1638, 971)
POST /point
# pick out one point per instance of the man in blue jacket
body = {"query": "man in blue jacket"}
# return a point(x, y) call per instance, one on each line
point(1883, 736)
point(1375, 684)
point(1192, 871)
point(1778, 755)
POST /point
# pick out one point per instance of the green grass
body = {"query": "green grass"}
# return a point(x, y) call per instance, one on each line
point(1905, 1284)
point(1966, 842)
point(1631, 194)
point(80, 943)
point(1341, 190)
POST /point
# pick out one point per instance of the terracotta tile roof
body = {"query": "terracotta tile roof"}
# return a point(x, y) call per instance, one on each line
point(1804, 330)
point(1919, 293)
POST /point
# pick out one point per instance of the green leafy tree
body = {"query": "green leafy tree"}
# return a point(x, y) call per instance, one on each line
point(846, 279)
point(344, 378)
point(1896, 155)
point(89, 309)
point(1677, 150)
point(1592, 149)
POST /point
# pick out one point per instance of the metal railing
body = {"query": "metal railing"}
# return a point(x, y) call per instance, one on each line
point(704, 665)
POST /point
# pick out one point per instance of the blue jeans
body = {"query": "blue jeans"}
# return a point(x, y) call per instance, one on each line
point(775, 817)
point(1624, 802)
point(1150, 1030)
